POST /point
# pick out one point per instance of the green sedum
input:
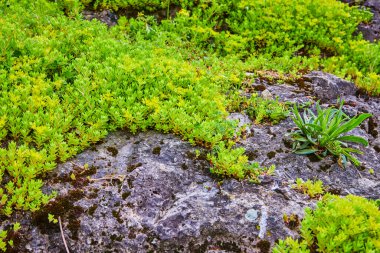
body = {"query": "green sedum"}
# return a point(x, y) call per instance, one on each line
point(313, 189)
point(230, 162)
point(338, 224)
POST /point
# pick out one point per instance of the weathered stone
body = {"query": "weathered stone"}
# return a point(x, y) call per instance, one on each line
point(371, 30)
point(243, 121)
point(167, 208)
point(373, 4)
point(105, 16)
point(266, 94)
point(328, 87)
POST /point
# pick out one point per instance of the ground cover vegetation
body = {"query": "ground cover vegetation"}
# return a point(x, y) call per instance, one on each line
point(313, 189)
point(296, 35)
point(353, 225)
point(65, 82)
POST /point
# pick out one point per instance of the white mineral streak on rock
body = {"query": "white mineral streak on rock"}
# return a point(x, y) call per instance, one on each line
point(263, 221)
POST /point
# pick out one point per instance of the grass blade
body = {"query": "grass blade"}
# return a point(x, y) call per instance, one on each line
point(353, 138)
point(306, 151)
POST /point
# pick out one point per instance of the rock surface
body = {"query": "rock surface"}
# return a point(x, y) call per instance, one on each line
point(140, 199)
point(105, 16)
point(370, 31)
point(150, 192)
point(328, 88)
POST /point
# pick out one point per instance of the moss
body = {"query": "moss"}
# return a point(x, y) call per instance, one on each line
point(89, 172)
point(156, 151)
point(271, 154)
point(132, 234)
point(228, 246)
point(264, 246)
point(373, 127)
point(94, 194)
point(79, 173)
point(61, 206)
point(133, 167)
point(116, 215)
point(125, 195)
point(91, 210)
point(130, 183)
point(113, 151)
point(74, 222)
point(252, 155)
point(117, 238)
point(291, 221)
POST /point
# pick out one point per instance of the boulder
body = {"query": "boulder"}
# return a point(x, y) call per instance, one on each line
point(328, 87)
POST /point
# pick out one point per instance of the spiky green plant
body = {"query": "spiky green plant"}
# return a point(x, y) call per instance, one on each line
point(324, 132)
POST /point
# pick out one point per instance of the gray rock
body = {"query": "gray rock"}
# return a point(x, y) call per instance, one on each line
point(138, 201)
point(370, 31)
point(373, 4)
point(243, 121)
point(328, 87)
point(105, 16)
point(266, 94)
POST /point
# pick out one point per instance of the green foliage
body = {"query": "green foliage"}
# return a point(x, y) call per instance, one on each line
point(52, 219)
point(147, 5)
point(3, 242)
point(16, 227)
point(259, 109)
point(322, 133)
point(264, 110)
point(348, 224)
point(313, 189)
point(231, 162)
point(72, 8)
point(284, 36)
point(6, 237)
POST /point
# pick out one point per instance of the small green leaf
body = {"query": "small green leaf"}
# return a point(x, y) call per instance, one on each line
point(353, 138)
point(16, 227)
point(52, 218)
point(305, 151)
